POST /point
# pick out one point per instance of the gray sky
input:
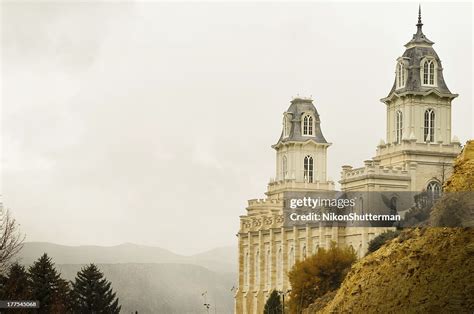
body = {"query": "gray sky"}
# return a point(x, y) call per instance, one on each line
point(152, 123)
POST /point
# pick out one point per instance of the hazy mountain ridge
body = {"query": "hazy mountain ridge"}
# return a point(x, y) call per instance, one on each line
point(223, 259)
point(151, 279)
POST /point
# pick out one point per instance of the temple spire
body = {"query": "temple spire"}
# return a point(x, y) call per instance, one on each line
point(420, 24)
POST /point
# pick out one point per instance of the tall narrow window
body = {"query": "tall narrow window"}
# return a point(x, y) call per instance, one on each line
point(431, 76)
point(284, 168)
point(268, 270)
point(400, 75)
point(291, 258)
point(308, 125)
point(429, 125)
point(280, 268)
point(428, 72)
point(308, 169)
point(246, 270)
point(257, 269)
point(399, 126)
point(286, 126)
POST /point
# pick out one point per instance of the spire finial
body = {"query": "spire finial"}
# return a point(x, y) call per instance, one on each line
point(419, 13)
point(420, 24)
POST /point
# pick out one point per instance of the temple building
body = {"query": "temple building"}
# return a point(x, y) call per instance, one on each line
point(416, 155)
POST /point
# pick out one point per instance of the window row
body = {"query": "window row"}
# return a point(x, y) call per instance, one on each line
point(267, 265)
point(307, 125)
point(308, 170)
point(428, 127)
point(428, 69)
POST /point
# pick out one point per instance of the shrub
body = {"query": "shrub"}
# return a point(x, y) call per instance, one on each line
point(318, 274)
point(381, 239)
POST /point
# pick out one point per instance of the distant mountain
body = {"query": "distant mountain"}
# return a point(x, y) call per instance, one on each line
point(220, 259)
point(151, 279)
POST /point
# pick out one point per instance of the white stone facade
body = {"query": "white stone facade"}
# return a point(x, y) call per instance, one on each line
point(418, 152)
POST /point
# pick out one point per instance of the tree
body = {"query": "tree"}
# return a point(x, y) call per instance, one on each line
point(47, 286)
point(11, 240)
point(318, 274)
point(92, 293)
point(273, 304)
point(14, 286)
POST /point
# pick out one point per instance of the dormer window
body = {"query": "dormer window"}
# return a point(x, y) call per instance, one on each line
point(401, 75)
point(286, 126)
point(308, 125)
point(428, 72)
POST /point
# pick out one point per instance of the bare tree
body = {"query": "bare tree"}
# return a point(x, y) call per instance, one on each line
point(11, 240)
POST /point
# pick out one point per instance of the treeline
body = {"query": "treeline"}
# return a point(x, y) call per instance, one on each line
point(90, 292)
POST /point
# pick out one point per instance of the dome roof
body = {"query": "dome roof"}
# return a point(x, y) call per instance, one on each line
point(299, 107)
point(419, 48)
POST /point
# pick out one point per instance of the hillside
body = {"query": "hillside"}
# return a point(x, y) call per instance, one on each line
point(423, 271)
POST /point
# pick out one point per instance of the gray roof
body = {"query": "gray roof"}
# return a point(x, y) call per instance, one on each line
point(298, 107)
point(418, 48)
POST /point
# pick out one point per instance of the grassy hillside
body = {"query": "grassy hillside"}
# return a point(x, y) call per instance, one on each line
point(423, 271)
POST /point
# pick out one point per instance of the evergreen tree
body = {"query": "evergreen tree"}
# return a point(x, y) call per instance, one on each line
point(15, 284)
point(273, 305)
point(46, 285)
point(92, 293)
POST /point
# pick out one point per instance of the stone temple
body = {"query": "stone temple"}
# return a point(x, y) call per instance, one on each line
point(416, 155)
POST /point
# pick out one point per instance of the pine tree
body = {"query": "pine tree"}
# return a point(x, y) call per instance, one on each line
point(46, 285)
point(15, 284)
point(92, 293)
point(273, 305)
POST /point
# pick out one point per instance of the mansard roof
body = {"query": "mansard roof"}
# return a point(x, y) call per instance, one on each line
point(417, 49)
point(299, 107)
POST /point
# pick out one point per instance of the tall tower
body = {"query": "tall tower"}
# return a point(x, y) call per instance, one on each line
point(418, 151)
point(267, 249)
point(419, 103)
point(301, 161)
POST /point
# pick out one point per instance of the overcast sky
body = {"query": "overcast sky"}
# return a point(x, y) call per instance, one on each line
point(152, 123)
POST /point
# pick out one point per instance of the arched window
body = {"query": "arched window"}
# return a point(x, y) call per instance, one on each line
point(434, 189)
point(428, 72)
point(429, 125)
point(400, 75)
point(286, 126)
point(284, 168)
point(308, 169)
point(399, 126)
point(308, 125)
